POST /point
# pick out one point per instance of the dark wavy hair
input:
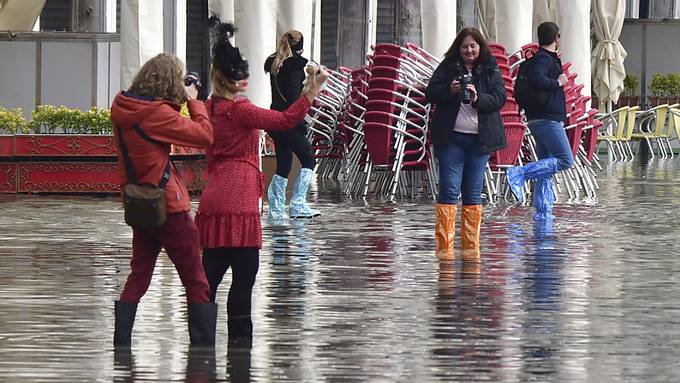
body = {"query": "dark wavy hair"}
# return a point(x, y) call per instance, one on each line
point(454, 50)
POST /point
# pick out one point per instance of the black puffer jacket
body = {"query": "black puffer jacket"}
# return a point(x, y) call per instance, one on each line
point(287, 84)
point(491, 97)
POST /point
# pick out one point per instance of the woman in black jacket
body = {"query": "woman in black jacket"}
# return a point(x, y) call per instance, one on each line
point(468, 91)
point(286, 70)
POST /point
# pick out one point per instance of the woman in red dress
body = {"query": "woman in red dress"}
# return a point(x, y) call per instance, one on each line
point(228, 216)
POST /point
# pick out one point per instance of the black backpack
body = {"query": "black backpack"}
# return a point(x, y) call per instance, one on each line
point(526, 96)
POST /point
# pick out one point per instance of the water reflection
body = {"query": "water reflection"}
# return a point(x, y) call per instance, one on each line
point(358, 295)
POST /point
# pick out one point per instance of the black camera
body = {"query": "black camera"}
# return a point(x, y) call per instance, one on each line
point(192, 78)
point(464, 81)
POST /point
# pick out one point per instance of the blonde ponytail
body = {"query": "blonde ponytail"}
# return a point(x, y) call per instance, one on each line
point(283, 49)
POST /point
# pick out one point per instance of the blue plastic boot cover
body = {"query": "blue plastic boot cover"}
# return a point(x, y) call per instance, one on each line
point(515, 177)
point(277, 198)
point(298, 202)
point(544, 199)
point(544, 168)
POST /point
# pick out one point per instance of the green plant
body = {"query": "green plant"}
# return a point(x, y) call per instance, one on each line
point(12, 121)
point(665, 85)
point(630, 85)
point(49, 119)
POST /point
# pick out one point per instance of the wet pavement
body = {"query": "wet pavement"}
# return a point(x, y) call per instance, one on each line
point(358, 295)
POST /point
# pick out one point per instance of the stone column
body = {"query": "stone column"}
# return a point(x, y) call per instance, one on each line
point(295, 14)
point(141, 35)
point(574, 22)
point(223, 8)
point(256, 38)
point(438, 20)
point(513, 20)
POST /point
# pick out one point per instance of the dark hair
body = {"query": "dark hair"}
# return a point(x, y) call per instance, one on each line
point(454, 50)
point(226, 58)
point(547, 33)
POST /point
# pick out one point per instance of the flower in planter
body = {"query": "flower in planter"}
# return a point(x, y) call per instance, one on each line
point(12, 121)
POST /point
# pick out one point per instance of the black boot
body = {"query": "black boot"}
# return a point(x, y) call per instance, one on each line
point(202, 323)
point(125, 318)
point(240, 331)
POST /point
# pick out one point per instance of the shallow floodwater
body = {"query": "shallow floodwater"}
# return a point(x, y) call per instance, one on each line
point(358, 295)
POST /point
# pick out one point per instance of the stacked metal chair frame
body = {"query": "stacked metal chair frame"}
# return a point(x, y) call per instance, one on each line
point(328, 142)
point(394, 158)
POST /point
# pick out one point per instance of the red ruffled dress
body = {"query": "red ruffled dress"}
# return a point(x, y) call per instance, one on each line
point(229, 211)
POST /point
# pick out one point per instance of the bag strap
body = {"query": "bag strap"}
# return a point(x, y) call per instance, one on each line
point(129, 170)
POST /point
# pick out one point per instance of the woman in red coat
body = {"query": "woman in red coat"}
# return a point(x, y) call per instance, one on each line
point(147, 121)
point(228, 216)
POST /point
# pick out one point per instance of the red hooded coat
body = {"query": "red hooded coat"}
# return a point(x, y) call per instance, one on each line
point(161, 121)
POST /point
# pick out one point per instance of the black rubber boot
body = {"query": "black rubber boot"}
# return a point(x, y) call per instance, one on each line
point(125, 318)
point(202, 323)
point(240, 331)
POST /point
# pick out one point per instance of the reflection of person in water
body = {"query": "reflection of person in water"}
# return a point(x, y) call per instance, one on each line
point(238, 363)
point(288, 282)
point(544, 268)
point(124, 366)
point(201, 366)
point(468, 320)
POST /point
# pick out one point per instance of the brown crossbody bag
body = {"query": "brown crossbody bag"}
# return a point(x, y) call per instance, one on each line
point(144, 204)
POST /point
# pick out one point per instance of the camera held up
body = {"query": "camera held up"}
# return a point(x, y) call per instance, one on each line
point(192, 78)
point(464, 81)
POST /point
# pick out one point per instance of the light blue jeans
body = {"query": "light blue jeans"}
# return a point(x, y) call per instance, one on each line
point(461, 169)
point(552, 141)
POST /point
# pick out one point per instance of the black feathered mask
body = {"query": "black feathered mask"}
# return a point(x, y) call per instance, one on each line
point(226, 57)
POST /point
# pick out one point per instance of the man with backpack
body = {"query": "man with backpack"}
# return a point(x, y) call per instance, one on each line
point(543, 101)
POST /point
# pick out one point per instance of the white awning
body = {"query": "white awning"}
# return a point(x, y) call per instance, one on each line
point(19, 15)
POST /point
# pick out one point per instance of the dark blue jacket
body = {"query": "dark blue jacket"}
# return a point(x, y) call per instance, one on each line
point(491, 97)
point(546, 67)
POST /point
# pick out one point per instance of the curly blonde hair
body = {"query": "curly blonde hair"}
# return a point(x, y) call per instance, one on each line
point(161, 78)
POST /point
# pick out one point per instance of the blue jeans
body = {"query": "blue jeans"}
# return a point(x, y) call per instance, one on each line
point(461, 169)
point(551, 141)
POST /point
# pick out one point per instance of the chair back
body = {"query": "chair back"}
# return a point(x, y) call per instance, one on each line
point(630, 121)
point(514, 133)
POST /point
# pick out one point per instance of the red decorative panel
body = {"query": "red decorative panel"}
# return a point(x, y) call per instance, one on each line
point(176, 149)
point(67, 177)
point(8, 177)
point(193, 173)
point(6, 146)
point(69, 144)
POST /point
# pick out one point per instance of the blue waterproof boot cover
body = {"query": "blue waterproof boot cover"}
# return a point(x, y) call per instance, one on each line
point(298, 202)
point(277, 198)
point(544, 199)
point(517, 175)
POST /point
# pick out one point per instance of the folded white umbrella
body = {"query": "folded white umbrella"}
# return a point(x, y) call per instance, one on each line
point(19, 15)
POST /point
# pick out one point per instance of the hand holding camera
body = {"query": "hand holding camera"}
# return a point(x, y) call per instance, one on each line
point(192, 81)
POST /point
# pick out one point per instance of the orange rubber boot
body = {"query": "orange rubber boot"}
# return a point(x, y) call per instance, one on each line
point(445, 230)
point(470, 227)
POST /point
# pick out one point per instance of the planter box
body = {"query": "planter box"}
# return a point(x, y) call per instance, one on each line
point(6, 146)
point(67, 177)
point(8, 177)
point(65, 145)
point(51, 163)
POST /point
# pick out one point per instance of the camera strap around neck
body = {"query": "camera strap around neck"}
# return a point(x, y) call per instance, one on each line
point(129, 170)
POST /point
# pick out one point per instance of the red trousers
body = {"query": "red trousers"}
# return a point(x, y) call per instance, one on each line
point(179, 237)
